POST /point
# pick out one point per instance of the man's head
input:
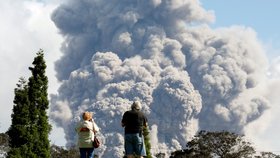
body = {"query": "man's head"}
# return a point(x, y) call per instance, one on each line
point(136, 106)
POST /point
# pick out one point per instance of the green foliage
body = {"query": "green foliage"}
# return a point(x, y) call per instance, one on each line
point(30, 128)
point(38, 96)
point(19, 130)
point(60, 152)
point(222, 144)
point(147, 142)
point(4, 144)
point(21, 152)
point(4, 139)
point(217, 144)
point(267, 155)
point(160, 155)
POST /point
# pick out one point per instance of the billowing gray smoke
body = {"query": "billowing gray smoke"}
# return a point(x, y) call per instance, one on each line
point(161, 52)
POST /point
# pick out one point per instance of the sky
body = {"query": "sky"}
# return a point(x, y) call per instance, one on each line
point(27, 26)
point(259, 15)
point(262, 17)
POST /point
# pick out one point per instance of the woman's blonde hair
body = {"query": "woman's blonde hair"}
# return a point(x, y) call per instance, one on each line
point(87, 115)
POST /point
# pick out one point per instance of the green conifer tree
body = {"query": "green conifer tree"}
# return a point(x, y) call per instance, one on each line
point(19, 131)
point(30, 127)
point(39, 104)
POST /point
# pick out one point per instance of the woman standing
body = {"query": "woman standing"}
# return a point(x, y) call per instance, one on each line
point(86, 130)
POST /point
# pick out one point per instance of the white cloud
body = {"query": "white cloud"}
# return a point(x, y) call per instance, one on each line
point(266, 136)
point(26, 27)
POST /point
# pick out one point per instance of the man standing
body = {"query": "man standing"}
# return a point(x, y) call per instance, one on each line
point(134, 121)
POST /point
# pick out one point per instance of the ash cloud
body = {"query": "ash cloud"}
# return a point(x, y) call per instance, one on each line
point(187, 75)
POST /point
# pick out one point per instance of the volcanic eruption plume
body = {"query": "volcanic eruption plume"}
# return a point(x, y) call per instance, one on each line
point(161, 52)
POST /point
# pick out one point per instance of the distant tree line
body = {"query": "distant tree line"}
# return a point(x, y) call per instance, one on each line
point(204, 145)
point(222, 144)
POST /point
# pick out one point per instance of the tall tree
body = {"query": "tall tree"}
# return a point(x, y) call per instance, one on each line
point(19, 130)
point(39, 104)
point(30, 127)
